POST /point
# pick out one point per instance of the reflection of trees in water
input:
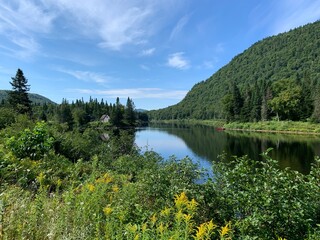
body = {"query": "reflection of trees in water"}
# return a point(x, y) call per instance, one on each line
point(291, 151)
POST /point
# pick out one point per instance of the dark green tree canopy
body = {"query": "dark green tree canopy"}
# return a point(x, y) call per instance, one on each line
point(18, 97)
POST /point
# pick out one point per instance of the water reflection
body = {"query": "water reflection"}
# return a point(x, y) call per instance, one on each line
point(206, 144)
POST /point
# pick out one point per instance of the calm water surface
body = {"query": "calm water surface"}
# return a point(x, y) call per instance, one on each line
point(204, 144)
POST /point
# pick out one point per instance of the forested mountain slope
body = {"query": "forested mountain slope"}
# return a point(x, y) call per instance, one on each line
point(276, 77)
point(35, 98)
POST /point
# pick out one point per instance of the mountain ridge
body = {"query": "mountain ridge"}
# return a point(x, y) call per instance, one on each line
point(34, 97)
point(291, 55)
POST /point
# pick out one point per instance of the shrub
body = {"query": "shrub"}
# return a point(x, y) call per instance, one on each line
point(31, 143)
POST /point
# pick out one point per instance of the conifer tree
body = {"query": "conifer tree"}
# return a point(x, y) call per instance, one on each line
point(18, 97)
point(129, 113)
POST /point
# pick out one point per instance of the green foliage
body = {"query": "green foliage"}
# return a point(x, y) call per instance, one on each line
point(31, 143)
point(266, 202)
point(7, 117)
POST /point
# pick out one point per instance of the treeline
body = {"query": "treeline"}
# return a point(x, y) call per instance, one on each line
point(77, 114)
point(286, 99)
point(263, 75)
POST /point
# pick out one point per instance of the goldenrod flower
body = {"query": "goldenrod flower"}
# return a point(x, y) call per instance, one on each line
point(90, 187)
point(107, 210)
point(226, 229)
point(211, 225)
point(115, 188)
point(144, 227)
point(187, 217)
point(192, 205)
point(179, 215)
point(165, 212)
point(201, 232)
point(181, 200)
point(161, 228)
point(154, 218)
point(107, 178)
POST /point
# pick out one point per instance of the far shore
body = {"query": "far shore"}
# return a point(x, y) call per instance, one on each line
point(282, 127)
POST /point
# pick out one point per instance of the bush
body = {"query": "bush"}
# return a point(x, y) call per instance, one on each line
point(266, 202)
point(31, 143)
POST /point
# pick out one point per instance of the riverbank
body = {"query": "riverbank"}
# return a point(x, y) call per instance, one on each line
point(288, 127)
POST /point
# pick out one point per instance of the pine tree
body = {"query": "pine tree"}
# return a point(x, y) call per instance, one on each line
point(18, 97)
point(129, 113)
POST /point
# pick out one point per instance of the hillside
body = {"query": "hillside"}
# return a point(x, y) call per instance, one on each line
point(35, 98)
point(245, 88)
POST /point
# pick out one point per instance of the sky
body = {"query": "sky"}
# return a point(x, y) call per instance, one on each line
point(153, 51)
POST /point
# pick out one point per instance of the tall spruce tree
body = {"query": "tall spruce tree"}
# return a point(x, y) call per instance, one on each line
point(129, 113)
point(18, 97)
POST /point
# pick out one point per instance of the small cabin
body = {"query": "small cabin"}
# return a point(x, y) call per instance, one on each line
point(105, 118)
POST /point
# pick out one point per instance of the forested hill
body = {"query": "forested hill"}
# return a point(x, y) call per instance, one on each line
point(35, 98)
point(276, 77)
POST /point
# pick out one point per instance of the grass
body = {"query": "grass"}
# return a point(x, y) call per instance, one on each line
point(265, 126)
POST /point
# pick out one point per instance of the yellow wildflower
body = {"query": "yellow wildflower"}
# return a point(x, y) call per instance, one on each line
point(144, 227)
point(179, 216)
point(280, 238)
point(226, 229)
point(187, 217)
point(136, 237)
point(115, 188)
point(201, 232)
point(154, 218)
point(165, 212)
point(90, 187)
point(181, 200)
point(161, 228)
point(211, 225)
point(107, 210)
point(192, 205)
point(106, 178)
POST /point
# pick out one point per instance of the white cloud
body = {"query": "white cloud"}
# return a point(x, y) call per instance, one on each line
point(179, 26)
point(86, 75)
point(177, 60)
point(20, 21)
point(116, 23)
point(136, 93)
point(147, 52)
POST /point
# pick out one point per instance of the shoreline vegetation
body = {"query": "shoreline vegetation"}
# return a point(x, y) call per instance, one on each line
point(283, 127)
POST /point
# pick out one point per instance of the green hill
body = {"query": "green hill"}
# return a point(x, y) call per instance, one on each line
point(35, 98)
point(246, 89)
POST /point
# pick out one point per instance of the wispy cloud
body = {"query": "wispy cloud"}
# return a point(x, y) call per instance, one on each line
point(86, 76)
point(20, 21)
point(147, 52)
point(115, 23)
point(135, 93)
point(179, 26)
point(177, 60)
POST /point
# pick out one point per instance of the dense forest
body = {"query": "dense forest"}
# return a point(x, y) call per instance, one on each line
point(276, 78)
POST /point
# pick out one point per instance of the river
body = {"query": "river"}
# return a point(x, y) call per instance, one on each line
point(204, 144)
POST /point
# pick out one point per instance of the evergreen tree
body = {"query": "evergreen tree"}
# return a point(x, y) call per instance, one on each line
point(117, 113)
point(18, 97)
point(129, 113)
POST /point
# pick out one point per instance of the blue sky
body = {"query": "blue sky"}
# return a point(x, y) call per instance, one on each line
point(152, 51)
